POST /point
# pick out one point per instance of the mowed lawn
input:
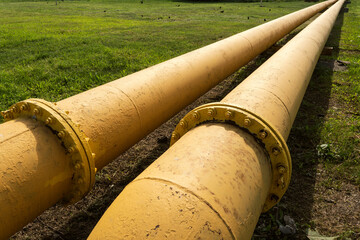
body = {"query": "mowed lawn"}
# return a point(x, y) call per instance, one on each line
point(54, 51)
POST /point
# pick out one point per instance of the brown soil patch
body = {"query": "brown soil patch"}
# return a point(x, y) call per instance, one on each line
point(308, 200)
point(77, 221)
point(337, 203)
point(335, 65)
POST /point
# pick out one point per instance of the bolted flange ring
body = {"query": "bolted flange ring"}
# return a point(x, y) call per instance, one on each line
point(270, 138)
point(74, 141)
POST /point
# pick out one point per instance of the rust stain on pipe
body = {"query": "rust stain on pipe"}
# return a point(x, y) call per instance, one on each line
point(230, 170)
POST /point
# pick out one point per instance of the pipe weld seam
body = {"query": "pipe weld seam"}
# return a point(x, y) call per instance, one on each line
point(276, 96)
point(265, 134)
point(16, 135)
point(252, 47)
point(75, 143)
point(190, 192)
point(133, 103)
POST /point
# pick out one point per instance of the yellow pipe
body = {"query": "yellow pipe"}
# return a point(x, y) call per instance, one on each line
point(94, 127)
point(194, 191)
point(216, 179)
point(117, 115)
point(31, 164)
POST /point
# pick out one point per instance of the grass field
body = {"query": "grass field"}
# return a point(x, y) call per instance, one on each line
point(54, 51)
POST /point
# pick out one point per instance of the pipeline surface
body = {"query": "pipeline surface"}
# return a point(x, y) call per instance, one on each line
point(51, 151)
point(117, 115)
point(229, 160)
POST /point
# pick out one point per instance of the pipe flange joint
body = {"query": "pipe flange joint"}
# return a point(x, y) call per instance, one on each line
point(266, 134)
point(76, 144)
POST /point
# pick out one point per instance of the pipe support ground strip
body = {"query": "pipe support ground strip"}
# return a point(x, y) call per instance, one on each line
point(266, 134)
point(74, 141)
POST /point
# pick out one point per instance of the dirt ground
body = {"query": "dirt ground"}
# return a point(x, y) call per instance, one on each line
point(308, 202)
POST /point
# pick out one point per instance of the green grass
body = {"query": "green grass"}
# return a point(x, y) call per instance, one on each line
point(341, 129)
point(325, 140)
point(54, 51)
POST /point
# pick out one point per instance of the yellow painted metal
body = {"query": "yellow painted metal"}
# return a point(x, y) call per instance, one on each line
point(198, 189)
point(275, 90)
point(270, 138)
point(72, 139)
point(29, 172)
point(103, 122)
point(118, 114)
point(224, 155)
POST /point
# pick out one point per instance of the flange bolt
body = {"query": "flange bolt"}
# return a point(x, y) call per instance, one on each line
point(37, 111)
point(247, 122)
point(183, 124)
point(275, 151)
point(196, 115)
point(175, 136)
point(229, 114)
point(211, 112)
point(281, 169)
point(61, 134)
point(48, 121)
point(24, 107)
point(263, 134)
point(72, 149)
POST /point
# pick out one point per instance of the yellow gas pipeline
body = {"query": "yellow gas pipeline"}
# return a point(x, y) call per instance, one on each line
point(50, 151)
point(229, 160)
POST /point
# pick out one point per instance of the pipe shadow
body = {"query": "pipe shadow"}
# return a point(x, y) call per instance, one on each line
point(77, 221)
point(303, 140)
point(222, 1)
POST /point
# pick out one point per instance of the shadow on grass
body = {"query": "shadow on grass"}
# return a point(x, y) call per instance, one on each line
point(221, 1)
point(303, 141)
point(113, 178)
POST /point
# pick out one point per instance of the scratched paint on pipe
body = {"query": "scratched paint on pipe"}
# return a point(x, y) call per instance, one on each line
point(115, 117)
point(149, 97)
point(30, 181)
point(283, 79)
point(118, 114)
point(190, 161)
point(160, 202)
point(229, 173)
